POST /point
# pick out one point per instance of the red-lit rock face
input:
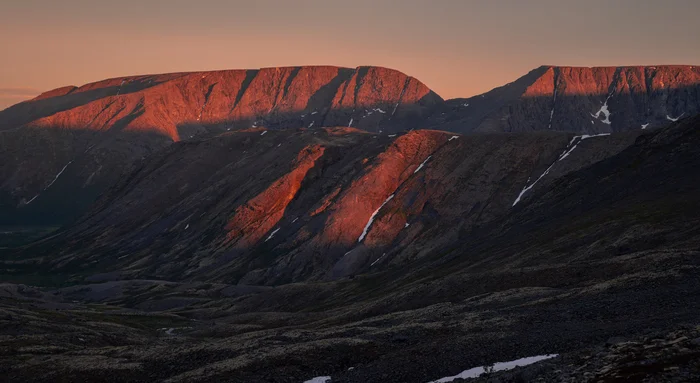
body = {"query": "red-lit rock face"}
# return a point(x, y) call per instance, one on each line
point(580, 100)
point(101, 128)
point(382, 177)
point(290, 96)
point(259, 216)
point(92, 134)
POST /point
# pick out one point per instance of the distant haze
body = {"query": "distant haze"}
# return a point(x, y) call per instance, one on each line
point(459, 48)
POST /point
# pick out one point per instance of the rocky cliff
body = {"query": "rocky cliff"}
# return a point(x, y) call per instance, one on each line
point(78, 142)
point(580, 100)
point(86, 137)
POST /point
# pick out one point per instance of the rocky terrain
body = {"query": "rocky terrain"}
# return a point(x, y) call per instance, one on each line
point(581, 100)
point(80, 141)
point(270, 207)
point(284, 253)
point(91, 135)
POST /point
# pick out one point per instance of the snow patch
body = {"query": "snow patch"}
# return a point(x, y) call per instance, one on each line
point(527, 188)
point(350, 124)
point(370, 112)
point(644, 126)
point(58, 175)
point(120, 87)
point(453, 138)
point(580, 138)
point(311, 124)
point(187, 227)
point(273, 234)
point(396, 107)
point(501, 366)
point(371, 219)
point(573, 144)
point(674, 119)
point(551, 113)
point(314, 112)
point(391, 135)
point(295, 219)
point(378, 259)
point(30, 201)
point(421, 165)
point(405, 225)
point(263, 133)
point(465, 105)
point(319, 379)
point(604, 110)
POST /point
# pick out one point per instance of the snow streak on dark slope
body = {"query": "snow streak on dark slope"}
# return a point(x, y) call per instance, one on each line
point(105, 128)
point(272, 207)
point(581, 100)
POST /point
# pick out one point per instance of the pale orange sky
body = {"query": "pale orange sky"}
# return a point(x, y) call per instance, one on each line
point(459, 48)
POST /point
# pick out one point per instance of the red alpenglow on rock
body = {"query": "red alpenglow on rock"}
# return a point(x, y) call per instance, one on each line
point(235, 99)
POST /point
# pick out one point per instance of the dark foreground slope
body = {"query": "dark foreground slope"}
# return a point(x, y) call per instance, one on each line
point(604, 254)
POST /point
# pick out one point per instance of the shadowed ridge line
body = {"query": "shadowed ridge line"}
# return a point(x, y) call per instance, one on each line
point(361, 74)
point(249, 77)
point(290, 78)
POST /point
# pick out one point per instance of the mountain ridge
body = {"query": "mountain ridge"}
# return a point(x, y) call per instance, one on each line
point(576, 99)
point(98, 130)
point(294, 250)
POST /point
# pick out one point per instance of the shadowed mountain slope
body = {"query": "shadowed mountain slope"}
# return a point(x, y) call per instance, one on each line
point(272, 207)
point(79, 141)
point(599, 264)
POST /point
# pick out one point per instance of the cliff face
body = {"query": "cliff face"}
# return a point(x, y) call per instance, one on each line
point(84, 138)
point(581, 100)
point(178, 106)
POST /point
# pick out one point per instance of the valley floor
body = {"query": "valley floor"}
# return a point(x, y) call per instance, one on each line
point(642, 326)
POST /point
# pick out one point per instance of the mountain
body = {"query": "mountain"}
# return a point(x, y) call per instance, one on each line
point(230, 225)
point(271, 207)
point(518, 245)
point(580, 100)
point(79, 141)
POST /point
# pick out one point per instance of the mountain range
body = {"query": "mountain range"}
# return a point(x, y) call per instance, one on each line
point(350, 222)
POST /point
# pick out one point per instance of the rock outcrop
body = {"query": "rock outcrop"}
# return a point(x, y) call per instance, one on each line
point(580, 100)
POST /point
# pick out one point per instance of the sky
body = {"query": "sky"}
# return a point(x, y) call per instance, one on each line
point(458, 48)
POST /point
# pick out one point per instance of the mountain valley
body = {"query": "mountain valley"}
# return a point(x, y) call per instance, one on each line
point(289, 223)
